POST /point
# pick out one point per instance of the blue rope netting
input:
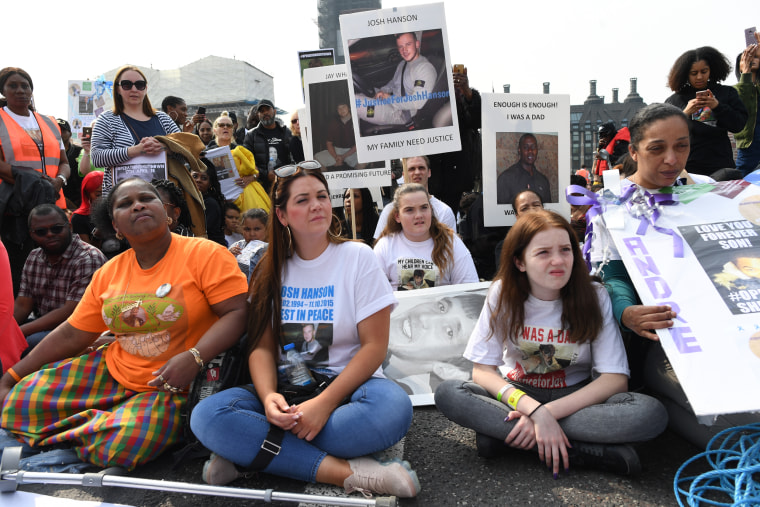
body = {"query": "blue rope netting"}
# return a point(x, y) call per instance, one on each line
point(734, 456)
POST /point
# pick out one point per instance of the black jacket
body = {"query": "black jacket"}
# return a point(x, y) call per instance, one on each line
point(710, 145)
point(257, 143)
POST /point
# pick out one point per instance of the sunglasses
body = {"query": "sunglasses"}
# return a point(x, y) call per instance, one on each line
point(126, 84)
point(294, 120)
point(43, 231)
point(289, 170)
point(224, 125)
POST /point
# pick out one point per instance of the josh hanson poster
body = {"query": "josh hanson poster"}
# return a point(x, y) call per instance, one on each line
point(714, 287)
point(401, 82)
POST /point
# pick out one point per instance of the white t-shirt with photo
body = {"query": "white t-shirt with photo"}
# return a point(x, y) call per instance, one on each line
point(399, 257)
point(335, 291)
point(543, 356)
point(441, 211)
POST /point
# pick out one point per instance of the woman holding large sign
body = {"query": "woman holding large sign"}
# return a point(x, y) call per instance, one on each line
point(565, 390)
point(660, 147)
point(417, 251)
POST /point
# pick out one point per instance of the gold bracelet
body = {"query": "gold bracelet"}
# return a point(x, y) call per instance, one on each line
point(197, 356)
point(13, 374)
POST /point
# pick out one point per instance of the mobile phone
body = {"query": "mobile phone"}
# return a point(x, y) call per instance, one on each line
point(86, 131)
point(703, 94)
point(749, 36)
point(460, 69)
point(201, 110)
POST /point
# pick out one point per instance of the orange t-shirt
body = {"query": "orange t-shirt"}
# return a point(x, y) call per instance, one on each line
point(150, 329)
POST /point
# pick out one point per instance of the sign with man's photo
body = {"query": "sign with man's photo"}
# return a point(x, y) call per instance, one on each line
point(401, 82)
point(526, 145)
point(701, 256)
point(332, 140)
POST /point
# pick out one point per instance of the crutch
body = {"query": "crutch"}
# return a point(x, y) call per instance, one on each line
point(11, 477)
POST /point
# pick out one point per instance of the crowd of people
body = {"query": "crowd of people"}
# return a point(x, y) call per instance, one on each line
point(98, 355)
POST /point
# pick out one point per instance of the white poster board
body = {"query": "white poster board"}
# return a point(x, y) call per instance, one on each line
point(526, 145)
point(326, 99)
point(714, 344)
point(145, 167)
point(429, 332)
point(86, 100)
point(226, 171)
point(395, 117)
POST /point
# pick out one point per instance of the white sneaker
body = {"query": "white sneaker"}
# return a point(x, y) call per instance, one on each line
point(394, 477)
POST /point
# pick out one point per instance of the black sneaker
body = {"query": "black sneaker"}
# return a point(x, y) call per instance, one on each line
point(489, 447)
point(618, 459)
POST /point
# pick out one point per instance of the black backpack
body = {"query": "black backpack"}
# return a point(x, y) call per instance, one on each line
point(228, 369)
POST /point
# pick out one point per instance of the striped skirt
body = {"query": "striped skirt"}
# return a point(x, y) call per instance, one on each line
point(77, 402)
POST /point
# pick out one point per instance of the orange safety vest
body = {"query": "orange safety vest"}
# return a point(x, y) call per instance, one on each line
point(20, 149)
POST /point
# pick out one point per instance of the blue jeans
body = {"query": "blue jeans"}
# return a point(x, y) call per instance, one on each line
point(33, 339)
point(232, 424)
point(748, 158)
point(623, 418)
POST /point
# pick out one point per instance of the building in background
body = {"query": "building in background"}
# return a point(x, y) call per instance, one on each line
point(585, 120)
point(219, 84)
point(329, 24)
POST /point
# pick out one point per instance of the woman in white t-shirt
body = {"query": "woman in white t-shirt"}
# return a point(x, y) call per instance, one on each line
point(309, 275)
point(552, 328)
point(417, 251)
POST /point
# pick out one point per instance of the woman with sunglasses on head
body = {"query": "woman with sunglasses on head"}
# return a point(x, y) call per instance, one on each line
point(327, 438)
point(128, 130)
point(415, 250)
point(27, 139)
point(173, 303)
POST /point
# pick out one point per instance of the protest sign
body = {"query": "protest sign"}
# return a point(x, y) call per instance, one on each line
point(702, 257)
point(331, 138)
point(429, 332)
point(402, 84)
point(145, 167)
point(313, 59)
point(526, 145)
point(85, 104)
point(226, 171)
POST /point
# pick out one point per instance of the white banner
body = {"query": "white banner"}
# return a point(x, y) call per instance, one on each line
point(429, 332)
point(331, 139)
point(714, 288)
point(402, 82)
point(526, 145)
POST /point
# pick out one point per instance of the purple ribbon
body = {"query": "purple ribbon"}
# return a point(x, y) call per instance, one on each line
point(640, 204)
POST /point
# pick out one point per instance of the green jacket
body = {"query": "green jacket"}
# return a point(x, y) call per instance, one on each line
point(748, 93)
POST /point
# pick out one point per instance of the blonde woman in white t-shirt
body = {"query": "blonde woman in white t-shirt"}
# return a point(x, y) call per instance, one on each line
point(417, 251)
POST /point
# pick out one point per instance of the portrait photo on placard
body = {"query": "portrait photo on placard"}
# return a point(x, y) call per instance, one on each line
point(526, 161)
point(400, 82)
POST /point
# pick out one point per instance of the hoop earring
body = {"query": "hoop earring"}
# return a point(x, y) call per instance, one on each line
point(340, 228)
point(290, 239)
point(169, 220)
point(119, 236)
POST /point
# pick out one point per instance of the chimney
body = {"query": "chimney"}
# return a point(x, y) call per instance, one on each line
point(506, 88)
point(593, 98)
point(615, 99)
point(546, 88)
point(633, 96)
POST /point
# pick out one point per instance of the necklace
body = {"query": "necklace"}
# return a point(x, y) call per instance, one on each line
point(135, 304)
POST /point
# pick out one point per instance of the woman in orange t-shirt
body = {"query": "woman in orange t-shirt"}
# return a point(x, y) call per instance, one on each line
point(171, 309)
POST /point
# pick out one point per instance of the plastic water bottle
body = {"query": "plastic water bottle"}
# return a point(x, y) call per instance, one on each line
point(298, 373)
